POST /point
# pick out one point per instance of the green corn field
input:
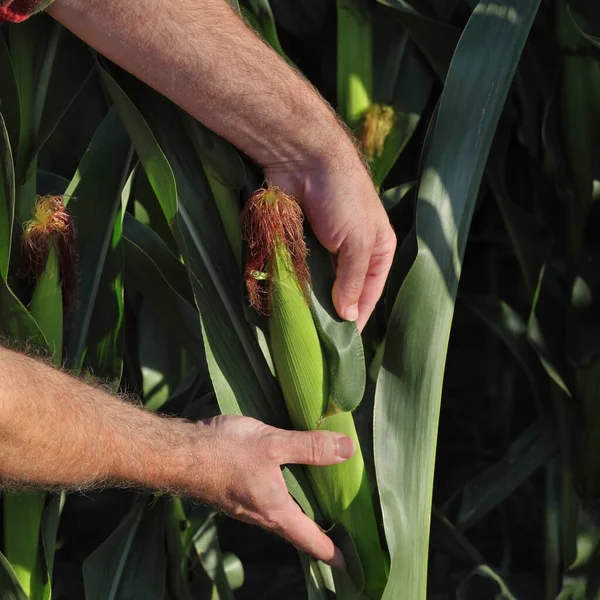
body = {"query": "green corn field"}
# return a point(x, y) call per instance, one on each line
point(473, 393)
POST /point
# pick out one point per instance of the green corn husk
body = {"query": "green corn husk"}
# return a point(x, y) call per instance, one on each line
point(342, 490)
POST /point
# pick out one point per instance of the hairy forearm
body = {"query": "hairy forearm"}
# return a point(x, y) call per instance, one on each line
point(58, 432)
point(202, 56)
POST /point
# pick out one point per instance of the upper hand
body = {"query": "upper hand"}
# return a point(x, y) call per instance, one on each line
point(241, 476)
point(348, 218)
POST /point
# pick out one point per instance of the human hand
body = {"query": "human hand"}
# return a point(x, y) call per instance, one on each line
point(241, 476)
point(346, 214)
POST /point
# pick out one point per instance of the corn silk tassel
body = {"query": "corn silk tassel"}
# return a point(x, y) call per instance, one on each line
point(377, 125)
point(278, 283)
point(51, 226)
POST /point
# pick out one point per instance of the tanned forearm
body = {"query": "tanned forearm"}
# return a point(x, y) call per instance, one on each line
point(202, 56)
point(58, 432)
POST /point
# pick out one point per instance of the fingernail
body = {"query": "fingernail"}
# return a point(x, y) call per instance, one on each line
point(345, 447)
point(351, 312)
point(338, 561)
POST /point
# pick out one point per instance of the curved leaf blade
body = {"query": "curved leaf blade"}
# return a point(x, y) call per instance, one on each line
point(410, 379)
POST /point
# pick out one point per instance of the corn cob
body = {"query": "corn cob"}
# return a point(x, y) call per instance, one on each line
point(278, 283)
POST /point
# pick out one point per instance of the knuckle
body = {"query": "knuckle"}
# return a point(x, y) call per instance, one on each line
point(270, 448)
point(317, 448)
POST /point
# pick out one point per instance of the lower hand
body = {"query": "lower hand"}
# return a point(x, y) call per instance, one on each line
point(241, 476)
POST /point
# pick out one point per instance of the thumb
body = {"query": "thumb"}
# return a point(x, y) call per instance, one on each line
point(316, 448)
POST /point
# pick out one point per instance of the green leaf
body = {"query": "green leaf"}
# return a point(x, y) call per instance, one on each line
point(508, 325)
point(47, 305)
point(22, 519)
point(529, 238)
point(530, 451)
point(9, 96)
point(401, 79)
point(131, 563)
point(155, 164)
point(10, 589)
point(355, 58)
point(409, 384)
point(436, 40)
point(580, 23)
point(97, 199)
point(51, 66)
point(260, 16)
point(16, 323)
point(163, 283)
point(226, 176)
point(49, 527)
point(206, 543)
point(340, 340)
point(483, 582)
point(68, 73)
point(7, 199)
point(446, 538)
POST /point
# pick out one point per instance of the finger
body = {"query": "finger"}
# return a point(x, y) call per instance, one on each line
point(377, 274)
point(353, 261)
point(315, 448)
point(305, 535)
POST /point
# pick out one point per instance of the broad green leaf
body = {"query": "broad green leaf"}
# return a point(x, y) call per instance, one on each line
point(9, 96)
point(355, 60)
point(436, 40)
point(579, 96)
point(530, 451)
point(47, 305)
point(493, 586)
point(260, 16)
point(49, 530)
point(163, 283)
point(51, 66)
point(225, 174)
point(547, 309)
point(10, 589)
point(206, 544)
point(156, 166)
point(394, 196)
point(446, 538)
point(22, 520)
point(31, 45)
point(401, 79)
point(234, 570)
point(177, 530)
point(66, 76)
point(409, 385)
point(508, 325)
point(16, 323)
point(163, 362)
point(7, 199)
point(62, 152)
point(340, 340)
point(50, 184)
point(97, 197)
point(585, 6)
point(528, 237)
point(131, 563)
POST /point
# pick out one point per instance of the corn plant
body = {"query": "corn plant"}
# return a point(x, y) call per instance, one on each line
point(479, 122)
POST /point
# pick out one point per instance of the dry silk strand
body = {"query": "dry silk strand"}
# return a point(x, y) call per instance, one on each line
point(278, 283)
point(51, 222)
